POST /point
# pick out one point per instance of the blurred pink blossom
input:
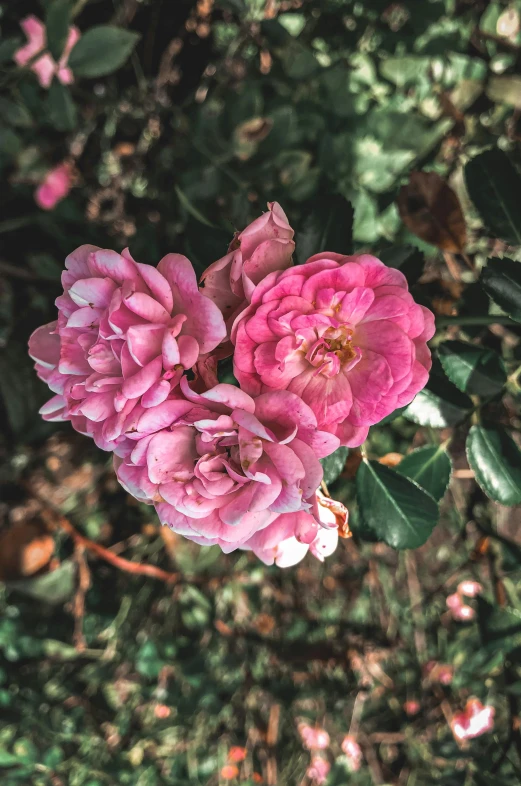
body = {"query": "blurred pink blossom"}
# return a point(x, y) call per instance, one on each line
point(475, 720)
point(459, 610)
point(313, 738)
point(469, 588)
point(353, 752)
point(318, 770)
point(439, 672)
point(343, 333)
point(54, 187)
point(45, 67)
point(412, 707)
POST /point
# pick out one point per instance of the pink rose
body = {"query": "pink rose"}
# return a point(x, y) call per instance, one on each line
point(313, 738)
point(225, 466)
point(318, 770)
point(343, 333)
point(264, 246)
point(287, 540)
point(475, 720)
point(353, 752)
point(125, 334)
point(45, 67)
point(54, 187)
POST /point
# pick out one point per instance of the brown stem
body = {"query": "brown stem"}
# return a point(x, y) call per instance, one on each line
point(57, 521)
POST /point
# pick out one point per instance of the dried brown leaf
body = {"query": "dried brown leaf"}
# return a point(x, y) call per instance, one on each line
point(431, 210)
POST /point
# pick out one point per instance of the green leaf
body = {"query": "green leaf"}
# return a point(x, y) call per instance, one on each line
point(8, 759)
point(394, 508)
point(409, 260)
point(474, 370)
point(439, 405)
point(101, 50)
point(328, 228)
point(14, 113)
point(54, 588)
point(494, 187)
point(500, 628)
point(430, 467)
point(334, 464)
point(61, 107)
point(190, 208)
point(501, 280)
point(57, 26)
point(8, 47)
point(496, 461)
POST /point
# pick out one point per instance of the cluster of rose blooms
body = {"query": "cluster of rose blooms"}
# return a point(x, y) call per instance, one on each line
point(316, 739)
point(321, 352)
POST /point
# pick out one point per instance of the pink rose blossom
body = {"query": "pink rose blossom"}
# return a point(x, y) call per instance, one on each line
point(264, 246)
point(221, 466)
point(281, 543)
point(459, 610)
point(343, 333)
point(125, 334)
point(318, 770)
point(469, 588)
point(54, 187)
point(353, 752)
point(313, 738)
point(475, 720)
point(45, 67)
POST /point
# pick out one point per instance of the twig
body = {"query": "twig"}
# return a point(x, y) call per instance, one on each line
point(57, 521)
point(78, 605)
point(420, 639)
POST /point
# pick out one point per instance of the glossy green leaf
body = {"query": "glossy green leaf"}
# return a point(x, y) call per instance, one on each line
point(501, 280)
point(57, 21)
point(102, 50)
point(334, 464)
point(393, 507)
point(496, 461)
point(61, 107)
point(494, 187)
point(430, 467)
point(328, 228)
point(439, 405)
point(474, 370)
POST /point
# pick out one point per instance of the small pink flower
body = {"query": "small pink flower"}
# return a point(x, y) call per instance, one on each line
point(264, 246)
point(45, 67)
point(313, 738)
point(353, 752)
point(318, 770)
point(469, 588)
point(412, 707)
point(341, 332)
point(161, 711)
point(54, 187)
point(125, 335)
point(459, 610)
point(475, 720)
point(223, 468)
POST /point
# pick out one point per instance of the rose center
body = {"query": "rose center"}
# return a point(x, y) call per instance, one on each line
point(340, 341)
